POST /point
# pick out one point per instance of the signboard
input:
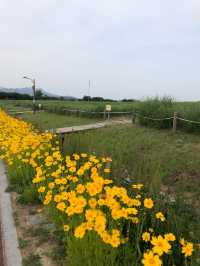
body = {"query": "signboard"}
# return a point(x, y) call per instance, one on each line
point(108, 108)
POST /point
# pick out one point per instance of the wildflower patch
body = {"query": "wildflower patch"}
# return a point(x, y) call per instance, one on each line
point(101, 223)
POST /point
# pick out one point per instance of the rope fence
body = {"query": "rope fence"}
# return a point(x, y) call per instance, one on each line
point(174, 118)
point(189, 121)
point(155, 119)
point(136, 116)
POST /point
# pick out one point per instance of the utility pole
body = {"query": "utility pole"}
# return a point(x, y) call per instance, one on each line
point(34, 100)
point(89, 91)
point(34, 92)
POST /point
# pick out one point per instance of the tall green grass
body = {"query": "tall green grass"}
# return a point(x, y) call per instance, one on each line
point(161, 160)
point(156, 108)
point(161, 108)
point(74, 108)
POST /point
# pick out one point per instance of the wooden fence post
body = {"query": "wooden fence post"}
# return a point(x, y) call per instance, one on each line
point(175, 122)
point(104, 115)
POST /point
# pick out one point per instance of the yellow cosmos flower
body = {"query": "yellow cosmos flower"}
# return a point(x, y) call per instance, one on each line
point(76, 157)
point(170, 237)
point(146, 236)
point(49, 161)
point(41, 189)
point(182, 241)
point(61, 206)
point(92, 203)
point(161, 245)
point(66, 227)
point(80, 231)
point(188, 249)
point(148, 203)
point(160, 216)
point(80, 188)
point(150, 259)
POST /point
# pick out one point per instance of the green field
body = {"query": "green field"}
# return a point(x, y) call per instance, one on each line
point(44, 120)
point(156, 156)
point(56, 105)
point(152, 107)
point(164, 161)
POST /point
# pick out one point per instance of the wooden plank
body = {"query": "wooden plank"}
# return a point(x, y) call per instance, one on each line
point(24, 112)
point(20, 112)
point(67, 130)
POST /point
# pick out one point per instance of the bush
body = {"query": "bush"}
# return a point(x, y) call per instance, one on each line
point(189, 111)
point(156, 108)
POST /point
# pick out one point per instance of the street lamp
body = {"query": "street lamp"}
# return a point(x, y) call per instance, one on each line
point(33, 87)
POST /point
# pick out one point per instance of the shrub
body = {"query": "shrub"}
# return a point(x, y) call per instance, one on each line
point(156, 108)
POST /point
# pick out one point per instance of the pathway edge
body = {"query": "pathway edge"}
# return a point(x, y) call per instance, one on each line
point(12, 255)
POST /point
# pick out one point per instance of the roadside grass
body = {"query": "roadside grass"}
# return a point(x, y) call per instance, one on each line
point(163, 160)
point(40, 232)
point(44, 120)
point(22, 243)
point(32, 260)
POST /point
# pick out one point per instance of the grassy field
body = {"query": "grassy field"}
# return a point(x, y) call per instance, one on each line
point(159, 158)
point(158, 108)
point(148, 154)
point(164, 161)
point(57, 105)
point(44, 120)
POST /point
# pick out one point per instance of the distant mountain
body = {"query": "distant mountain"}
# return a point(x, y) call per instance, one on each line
point(29, 91)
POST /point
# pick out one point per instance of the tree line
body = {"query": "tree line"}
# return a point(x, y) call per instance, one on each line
point(40, 96)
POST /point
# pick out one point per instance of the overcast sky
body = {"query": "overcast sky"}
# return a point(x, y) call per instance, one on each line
point(127, 48)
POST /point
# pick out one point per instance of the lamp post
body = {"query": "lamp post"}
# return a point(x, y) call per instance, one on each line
point(33, 87)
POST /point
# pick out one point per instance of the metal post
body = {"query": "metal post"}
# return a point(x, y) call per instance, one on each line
point(62, 142)
point(89, 92)
point(104, 115)
point(34, 101)
point(108, 115)
point(34, 92)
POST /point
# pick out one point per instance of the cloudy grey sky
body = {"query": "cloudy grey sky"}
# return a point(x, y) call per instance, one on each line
point(127, 48)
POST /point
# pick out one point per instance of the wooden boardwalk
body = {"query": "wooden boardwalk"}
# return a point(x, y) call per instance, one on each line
point(67, 130)
point(76, 129)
